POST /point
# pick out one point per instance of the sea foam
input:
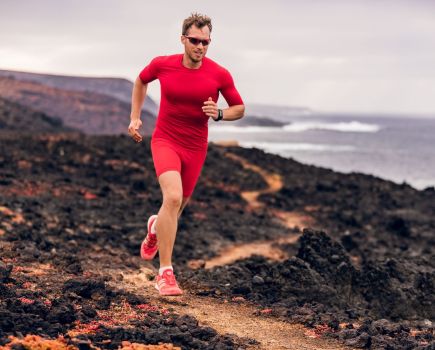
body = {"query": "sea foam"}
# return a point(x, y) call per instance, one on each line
point(353, 126)
point(275, 147)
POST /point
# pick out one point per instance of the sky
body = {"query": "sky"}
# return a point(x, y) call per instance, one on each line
point(369, 56)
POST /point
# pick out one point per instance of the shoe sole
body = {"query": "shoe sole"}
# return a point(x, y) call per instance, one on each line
point(151, 218)
point(168, 294)
point(150, 257)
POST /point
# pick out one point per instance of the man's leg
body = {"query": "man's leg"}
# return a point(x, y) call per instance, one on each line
point(167, 222)
point(183, 205)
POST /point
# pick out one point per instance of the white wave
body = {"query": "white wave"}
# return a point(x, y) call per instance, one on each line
point(245, 129)
point(353, 126)
point(282, 147)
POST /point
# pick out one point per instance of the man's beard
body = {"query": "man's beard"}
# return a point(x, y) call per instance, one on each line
point(194, 59)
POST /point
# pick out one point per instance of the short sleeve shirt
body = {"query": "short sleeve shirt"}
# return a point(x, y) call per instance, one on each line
point(183, 93)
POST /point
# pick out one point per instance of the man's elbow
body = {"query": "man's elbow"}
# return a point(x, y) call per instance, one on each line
point(242, 111)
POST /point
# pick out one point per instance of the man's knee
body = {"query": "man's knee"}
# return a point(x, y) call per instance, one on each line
point(173, 199)
point(172, 189)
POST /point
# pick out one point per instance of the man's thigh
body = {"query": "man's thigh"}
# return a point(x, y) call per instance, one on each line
point(170, 183)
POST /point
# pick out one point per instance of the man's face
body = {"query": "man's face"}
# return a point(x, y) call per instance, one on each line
point(196, 52)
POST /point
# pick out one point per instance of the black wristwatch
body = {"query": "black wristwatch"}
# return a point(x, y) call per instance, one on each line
point(220, 115)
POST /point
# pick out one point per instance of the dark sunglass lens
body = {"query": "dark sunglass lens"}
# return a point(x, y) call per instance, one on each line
point(194, 41)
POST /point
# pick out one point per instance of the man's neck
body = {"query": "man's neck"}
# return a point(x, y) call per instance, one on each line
point(188, 63)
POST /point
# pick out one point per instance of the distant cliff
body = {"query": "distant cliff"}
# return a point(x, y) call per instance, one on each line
point(115, 87)
point(15, 117)
point(88, 111)
point(258, 121)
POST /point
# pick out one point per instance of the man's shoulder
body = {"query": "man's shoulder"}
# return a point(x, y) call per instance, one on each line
point(166, 59)
point(214, 65)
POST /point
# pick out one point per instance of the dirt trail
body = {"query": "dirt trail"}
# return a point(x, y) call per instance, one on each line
point(268, 249)
point(290, 219)
point(274, 181)
point(225, 317)
point(242, 251)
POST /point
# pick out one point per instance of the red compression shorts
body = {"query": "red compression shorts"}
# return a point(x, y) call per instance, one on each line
point(168, 155)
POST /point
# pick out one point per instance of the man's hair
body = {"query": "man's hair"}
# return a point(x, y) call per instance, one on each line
point(198, 20)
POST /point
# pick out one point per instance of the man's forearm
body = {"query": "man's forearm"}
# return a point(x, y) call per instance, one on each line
point(234, 112)
point(137, 98)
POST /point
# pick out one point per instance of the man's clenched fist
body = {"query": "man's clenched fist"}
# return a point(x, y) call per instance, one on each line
point(133, 129)
point(210, 108)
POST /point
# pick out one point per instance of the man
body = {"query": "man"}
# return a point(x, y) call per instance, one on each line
point(190, 86)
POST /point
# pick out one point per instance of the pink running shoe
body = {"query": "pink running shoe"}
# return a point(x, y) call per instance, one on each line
point(149, 246)
point(166, 283)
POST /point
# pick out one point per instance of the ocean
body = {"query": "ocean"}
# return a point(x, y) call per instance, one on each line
point(396, 148)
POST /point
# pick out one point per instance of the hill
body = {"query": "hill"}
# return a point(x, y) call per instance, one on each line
point(89, 112)
point(15, 117)
point(115, 87)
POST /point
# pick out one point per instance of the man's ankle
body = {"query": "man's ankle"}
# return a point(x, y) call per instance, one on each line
point(163, 268)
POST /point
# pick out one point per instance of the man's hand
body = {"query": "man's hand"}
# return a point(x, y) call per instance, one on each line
point(133, 128)
point(210, 108)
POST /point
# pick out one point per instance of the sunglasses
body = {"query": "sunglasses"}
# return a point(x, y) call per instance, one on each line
point(195, 41)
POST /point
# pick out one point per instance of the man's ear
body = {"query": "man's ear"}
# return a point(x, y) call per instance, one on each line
point(183, 39)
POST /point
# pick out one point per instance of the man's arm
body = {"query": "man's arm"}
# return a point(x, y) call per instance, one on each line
point(137, 98)
point(236, 109)
point(233, 112)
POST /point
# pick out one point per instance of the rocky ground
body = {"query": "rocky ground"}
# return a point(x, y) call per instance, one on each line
point(73, 210)
point(16, 117)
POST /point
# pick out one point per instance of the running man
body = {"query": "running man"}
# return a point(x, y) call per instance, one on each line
point(190, 86)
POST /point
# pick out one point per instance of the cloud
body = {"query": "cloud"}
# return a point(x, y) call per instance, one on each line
point(328, 55)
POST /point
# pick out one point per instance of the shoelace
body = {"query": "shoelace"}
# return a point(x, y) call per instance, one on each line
point(170, 279)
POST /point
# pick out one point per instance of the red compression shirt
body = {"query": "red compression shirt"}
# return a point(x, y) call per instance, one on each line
point(183, 93)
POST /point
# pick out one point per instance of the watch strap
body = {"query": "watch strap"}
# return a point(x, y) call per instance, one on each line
point(220, 115)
